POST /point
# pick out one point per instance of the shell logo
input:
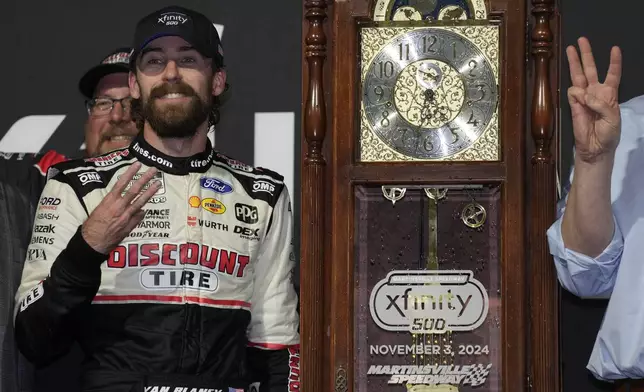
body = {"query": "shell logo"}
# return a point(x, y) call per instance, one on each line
point(213, 205)
point(194, 202)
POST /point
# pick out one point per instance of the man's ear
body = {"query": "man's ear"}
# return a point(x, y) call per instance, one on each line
point(218, 82)
point(135, 91)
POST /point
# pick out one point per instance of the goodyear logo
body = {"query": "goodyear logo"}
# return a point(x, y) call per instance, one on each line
point(213, 205)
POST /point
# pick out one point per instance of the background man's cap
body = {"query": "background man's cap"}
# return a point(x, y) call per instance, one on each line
point(117, 61)
point(177, 21)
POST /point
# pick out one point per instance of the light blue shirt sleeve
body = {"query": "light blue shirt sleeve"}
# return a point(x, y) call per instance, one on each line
point(582, 275)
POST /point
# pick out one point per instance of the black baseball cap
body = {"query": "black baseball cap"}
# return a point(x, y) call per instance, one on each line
point(116, 61)
point(190, 25)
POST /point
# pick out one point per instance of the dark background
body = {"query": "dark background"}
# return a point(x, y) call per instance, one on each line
point(605, 24)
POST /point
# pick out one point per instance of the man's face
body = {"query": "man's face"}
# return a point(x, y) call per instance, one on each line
point(107, 130)
point(175, 84)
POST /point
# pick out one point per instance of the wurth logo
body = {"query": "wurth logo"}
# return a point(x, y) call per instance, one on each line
point(155, 254)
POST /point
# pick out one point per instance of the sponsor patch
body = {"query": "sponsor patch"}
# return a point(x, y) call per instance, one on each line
point(89, 177)
point(166, 278)
point(32, 296)
point(48, 203)
point(263, 186)
point(245, 213)
point(213, 205)
point(36, 255)
point(194, 201)
point(158, 254)
point(215, 184)
point(109, 159)
point(293, 369)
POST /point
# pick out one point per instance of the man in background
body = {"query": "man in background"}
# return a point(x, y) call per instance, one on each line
point(109, 126)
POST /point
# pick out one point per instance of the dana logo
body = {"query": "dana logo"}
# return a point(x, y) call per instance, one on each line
point(216, 185)
point(263, 186)
point(49, 203)
point(86, 178)
point(172, 19)
point(213, 205)
point(429, 302)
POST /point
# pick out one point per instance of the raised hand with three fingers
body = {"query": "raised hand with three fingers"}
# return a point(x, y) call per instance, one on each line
point(596, 117)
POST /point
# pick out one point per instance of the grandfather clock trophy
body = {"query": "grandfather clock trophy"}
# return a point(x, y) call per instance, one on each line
point(416, 272)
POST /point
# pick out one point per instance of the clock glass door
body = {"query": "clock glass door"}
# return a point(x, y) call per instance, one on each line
point(427, 288)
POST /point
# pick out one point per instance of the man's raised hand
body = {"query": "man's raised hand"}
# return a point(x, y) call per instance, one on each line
point(596, 117)
point(120, 211)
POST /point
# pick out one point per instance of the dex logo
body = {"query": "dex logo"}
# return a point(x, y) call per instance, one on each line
point(429, 302)
point(245, 213)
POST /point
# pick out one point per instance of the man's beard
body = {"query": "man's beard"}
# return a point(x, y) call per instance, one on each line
point(175, 120)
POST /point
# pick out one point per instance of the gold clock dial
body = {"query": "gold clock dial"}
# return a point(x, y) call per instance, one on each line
point(428, 93)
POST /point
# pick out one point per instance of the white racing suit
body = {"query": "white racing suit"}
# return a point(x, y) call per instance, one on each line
point(199, 297)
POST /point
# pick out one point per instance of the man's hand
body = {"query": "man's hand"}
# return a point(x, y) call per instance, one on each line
point(596, 118)
point(120, 211)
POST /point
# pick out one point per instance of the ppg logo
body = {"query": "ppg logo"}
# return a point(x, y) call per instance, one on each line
point(245, 213)
point(86, 178)
point(263, 186)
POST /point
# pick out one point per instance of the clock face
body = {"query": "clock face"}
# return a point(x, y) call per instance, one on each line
point(429, 93)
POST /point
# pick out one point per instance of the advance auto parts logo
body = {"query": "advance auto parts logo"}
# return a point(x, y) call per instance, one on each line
point(429, 302)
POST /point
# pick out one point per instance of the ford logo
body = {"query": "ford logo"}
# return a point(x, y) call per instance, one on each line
point(216, 185)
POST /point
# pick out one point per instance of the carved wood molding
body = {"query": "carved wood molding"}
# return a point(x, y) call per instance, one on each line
point(543, 295)
point(313, 201)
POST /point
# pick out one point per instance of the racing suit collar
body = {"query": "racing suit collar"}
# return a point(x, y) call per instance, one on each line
point(150, 156)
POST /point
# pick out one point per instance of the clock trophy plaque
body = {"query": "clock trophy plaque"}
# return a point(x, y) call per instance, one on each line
point(418, 265)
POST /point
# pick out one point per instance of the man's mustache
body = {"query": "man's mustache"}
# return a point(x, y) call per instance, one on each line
point(175, 88)
point(118, 131)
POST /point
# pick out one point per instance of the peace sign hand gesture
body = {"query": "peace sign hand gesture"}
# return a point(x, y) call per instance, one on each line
point(596, 118)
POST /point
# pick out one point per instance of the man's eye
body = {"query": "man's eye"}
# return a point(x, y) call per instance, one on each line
point(102, 104)
point(154, 61)
point(188, 60)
